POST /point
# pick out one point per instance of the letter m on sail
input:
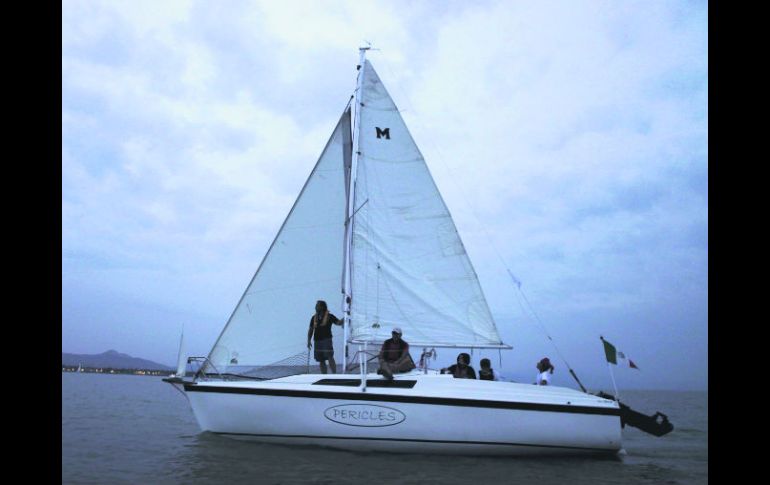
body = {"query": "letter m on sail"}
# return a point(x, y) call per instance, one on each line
point(383, 132)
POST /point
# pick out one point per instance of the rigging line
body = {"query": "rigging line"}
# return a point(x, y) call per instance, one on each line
point(558, 352)
point(377, 310)
point(356, 211)
point(537, 319)
point(490, 240)
point(545, 330)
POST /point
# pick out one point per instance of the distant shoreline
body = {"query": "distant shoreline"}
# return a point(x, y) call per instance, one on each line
point(110, 370)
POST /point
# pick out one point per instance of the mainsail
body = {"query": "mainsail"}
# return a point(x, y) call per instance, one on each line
point(409, 267)
point(303, 265)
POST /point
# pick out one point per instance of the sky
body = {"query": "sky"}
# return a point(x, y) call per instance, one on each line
point(569, 140)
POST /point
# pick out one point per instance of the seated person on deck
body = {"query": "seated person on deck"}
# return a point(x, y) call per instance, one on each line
point(486, 373)
point(461, 369)
point(545, 369)
point(394, 356)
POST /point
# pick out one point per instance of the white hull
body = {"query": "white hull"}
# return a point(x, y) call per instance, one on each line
point(438, 415)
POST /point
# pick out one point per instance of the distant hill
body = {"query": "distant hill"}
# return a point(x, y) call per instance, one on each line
point(110, 359)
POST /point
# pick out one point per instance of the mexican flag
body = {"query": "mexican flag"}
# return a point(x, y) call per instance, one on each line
point(613, 356)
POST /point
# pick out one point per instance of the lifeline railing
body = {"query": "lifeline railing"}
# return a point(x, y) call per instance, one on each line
point(353, 366)
point(202, 361)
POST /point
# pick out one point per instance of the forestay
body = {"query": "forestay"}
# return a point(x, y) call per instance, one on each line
point(303, 265)
point(409, 266)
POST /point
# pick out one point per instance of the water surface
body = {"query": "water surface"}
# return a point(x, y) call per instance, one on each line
point(120, 429)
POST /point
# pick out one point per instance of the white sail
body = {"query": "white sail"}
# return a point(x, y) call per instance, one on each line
point(409, 266)
point(181, 358)
point(303, 265)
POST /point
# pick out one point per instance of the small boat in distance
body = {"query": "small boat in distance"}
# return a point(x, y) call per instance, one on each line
point(371, 230)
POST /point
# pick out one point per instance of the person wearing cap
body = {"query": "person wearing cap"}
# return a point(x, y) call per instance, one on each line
point(394, 356)
point(545, 369)
point(321, 332)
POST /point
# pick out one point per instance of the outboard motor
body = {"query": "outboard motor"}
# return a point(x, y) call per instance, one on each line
point(656, 424)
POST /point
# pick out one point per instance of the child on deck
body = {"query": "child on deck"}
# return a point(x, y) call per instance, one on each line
point(485, 372)
point(545, 369)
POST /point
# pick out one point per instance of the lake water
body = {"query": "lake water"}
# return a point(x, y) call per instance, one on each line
point(129, 429)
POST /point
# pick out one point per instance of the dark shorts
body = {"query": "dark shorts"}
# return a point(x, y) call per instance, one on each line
point(323, 349)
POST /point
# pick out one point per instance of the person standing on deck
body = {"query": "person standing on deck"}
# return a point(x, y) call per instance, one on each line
point(321, 332)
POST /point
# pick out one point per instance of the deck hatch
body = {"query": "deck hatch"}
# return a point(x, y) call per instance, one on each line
point(369, 383)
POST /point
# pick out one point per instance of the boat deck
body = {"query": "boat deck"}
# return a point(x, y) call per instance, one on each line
point(431, 385)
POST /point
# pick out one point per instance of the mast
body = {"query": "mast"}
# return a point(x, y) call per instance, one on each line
point(351, 202)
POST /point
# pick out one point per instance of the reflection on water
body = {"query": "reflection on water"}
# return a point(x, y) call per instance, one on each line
point(208, 458)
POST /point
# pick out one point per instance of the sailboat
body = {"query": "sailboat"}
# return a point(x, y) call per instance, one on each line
point(370, 230)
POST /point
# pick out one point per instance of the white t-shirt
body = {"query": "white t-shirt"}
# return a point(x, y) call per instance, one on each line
point(543, 376)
